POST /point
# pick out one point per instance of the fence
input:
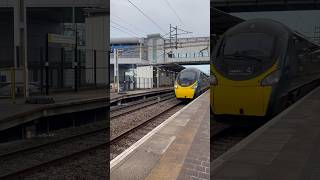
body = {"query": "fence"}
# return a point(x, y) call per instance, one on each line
point(144, 83)
point(136, 83)
point(12, 83)
point(67, 69)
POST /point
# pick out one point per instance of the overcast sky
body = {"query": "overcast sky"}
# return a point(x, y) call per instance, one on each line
point(195, 17)
point(193, 14)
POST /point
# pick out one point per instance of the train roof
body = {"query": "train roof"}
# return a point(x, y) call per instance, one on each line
point(194, 69)
point(268, 25)
point(271, 26)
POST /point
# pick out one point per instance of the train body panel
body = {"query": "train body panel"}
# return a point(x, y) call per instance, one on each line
point(185, 92)
point(244, 100)
point(259, 76)
point(251, 98)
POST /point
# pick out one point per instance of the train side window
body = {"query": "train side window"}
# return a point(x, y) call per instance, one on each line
point(292, 61)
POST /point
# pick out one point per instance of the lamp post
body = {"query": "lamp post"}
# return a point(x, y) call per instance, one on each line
point(116, 69)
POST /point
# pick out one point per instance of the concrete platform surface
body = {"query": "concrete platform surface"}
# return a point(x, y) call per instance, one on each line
point(285, 148)
point(13, 114)
point(179, 148)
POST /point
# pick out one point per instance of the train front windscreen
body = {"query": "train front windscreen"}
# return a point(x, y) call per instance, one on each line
point(245, 55)
point(187, 78)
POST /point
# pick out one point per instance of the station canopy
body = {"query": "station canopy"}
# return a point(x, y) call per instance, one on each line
point(221, 21)
point(265, 5)
point(170, 67)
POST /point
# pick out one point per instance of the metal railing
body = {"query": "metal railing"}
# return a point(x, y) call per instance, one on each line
point(138, 83)
point(60, 72)
point(12, 83)
point(64, 71)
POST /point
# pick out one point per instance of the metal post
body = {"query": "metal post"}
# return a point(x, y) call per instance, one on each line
point(13, 85)
point(114, 69)
point(170, 36)
point(140, 51)
point(22, 24)
point(117, 71)
point(75, 51)
point(133, 76)
point(47, 65)
point(75, 69)
point(176, 37)
point(17, 61)
point(41, 69)
point(95, 67)
point(158, 78)
point(17, 56)
point(79, 68)
point(61, 68)
point(164, 50)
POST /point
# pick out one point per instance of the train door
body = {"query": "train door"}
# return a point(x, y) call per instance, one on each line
point(295, 66)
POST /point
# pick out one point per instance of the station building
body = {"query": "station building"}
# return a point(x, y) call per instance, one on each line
point(154, 61)
point(25, 44)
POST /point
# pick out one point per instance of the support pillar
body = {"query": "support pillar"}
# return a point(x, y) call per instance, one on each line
point(20, 41)
point(158, 78)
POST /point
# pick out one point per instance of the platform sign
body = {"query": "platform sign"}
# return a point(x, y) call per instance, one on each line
point(61, 39)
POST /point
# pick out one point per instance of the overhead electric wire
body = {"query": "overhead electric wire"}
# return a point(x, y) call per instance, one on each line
point(174, 11)
point(123, 31)
point(124, 28)
point(184, 31)
point(126, 22)
point(145, 15)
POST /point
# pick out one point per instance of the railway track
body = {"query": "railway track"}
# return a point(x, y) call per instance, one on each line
point(116, 112)
point(43, 155)
point(124, 139)
point(128, 108)
point(126, 105)
point(95, 139)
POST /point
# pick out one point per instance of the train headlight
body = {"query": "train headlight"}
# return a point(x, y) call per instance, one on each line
point(176, 86)
point(271, 79)
point(213, 80)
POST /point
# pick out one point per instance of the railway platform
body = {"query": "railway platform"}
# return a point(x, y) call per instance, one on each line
point(14, 114)
point(179, 148)
point(286, 147)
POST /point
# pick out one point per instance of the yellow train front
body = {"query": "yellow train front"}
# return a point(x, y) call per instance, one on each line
point(190, 83)
point(260, 67)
